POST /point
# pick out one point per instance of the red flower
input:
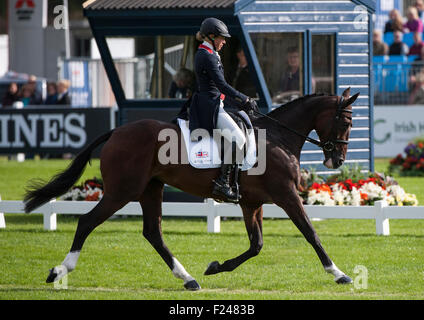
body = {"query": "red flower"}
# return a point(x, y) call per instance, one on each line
point(316, 186)
point(93, 197)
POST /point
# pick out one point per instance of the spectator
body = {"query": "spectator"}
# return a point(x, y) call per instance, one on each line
point(63, 97)
point(398, 47)
point(419, 5)
point(416, 48)
point(11, 96)
point(414, 24)
point(26, 95)
point(417, 66)
point(242, 80)
point(379, 47)
point(420, 58)
point(417, 94)
point(36, 97)
point(395, 22)
point(51, 94)
point(291, 80)
point(182, 86)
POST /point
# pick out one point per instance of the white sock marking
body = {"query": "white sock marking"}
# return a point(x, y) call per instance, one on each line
point(179, 271)
point(67, 265)
point(335, 272)
point(71, 260)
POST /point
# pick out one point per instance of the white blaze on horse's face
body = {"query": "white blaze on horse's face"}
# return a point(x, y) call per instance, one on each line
point(329, 163)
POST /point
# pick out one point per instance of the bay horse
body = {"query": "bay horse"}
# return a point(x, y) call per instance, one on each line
point(131, 172)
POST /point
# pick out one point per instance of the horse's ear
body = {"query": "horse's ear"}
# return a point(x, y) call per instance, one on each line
point(346, 93)
point(352, 99)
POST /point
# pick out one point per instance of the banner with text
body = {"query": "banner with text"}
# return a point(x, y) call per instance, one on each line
point(395, 127)
point(52, 130)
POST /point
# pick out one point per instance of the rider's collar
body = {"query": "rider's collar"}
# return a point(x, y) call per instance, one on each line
point(209, 46)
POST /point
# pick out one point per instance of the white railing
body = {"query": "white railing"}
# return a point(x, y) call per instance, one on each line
point(213, 211)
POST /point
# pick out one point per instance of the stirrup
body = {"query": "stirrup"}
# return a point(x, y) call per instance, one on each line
point(227, 198)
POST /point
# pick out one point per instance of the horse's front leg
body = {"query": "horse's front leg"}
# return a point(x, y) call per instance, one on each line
point(291, 203)
point(253, 221)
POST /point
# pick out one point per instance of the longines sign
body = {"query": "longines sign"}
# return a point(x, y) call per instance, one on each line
point(51, 130)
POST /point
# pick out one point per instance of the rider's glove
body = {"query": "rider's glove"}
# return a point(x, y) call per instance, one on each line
point(249, 107)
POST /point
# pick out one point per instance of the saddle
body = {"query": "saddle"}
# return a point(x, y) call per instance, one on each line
point(208, 153)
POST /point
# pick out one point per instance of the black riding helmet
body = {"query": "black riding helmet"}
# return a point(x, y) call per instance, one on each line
point(215, 27)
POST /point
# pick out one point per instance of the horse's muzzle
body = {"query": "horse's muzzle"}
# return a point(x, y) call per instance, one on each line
point(330, 164)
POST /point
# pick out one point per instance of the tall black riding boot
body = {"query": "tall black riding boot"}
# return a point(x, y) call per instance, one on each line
point(222, 186)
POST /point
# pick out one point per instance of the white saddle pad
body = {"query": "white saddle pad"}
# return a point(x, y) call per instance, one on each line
point(205, 154)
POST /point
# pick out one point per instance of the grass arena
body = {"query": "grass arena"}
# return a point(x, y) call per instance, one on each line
point(118, 263)
point(302, 70)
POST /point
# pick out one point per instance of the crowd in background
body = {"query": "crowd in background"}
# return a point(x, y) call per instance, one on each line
point(413, 23)
point(399, 26)
point(29, 95)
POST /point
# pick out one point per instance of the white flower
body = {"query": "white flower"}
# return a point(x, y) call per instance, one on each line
point(374, 191)
point(355, 197)
point(320, 198)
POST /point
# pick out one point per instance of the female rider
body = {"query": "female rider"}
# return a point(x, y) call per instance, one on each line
point(207, 107)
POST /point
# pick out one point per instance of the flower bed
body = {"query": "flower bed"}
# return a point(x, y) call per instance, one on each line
point(413, 163)
point(349, 188)
point(90, 190)
point(355, 191)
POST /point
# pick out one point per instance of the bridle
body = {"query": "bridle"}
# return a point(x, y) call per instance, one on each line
point(332, 141)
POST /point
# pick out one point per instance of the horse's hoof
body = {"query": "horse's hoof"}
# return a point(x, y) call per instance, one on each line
point(52, 276)
point(344, 280)
point(212, 268)
point(192, 285)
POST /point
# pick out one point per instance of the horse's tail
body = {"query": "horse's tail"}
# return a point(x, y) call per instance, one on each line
point(38, 192)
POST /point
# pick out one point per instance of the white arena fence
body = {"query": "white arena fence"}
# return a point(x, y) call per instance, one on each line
point(213, 211)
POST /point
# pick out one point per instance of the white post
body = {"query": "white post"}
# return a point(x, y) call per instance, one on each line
point(49, 218)
point(381, 222)
point(214, 222)
point(2, 221)
point(67, 31)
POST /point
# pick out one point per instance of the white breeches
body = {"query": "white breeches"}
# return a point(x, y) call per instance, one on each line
point(229, 129)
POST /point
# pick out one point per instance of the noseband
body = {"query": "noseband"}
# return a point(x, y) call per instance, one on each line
point(330, 144)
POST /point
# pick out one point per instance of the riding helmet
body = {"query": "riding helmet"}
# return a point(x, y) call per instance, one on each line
point(215, 27)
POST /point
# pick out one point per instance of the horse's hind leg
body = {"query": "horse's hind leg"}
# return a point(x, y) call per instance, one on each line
point(293, 206)
point(86, 224)
point(253, 221)
point(151, 203)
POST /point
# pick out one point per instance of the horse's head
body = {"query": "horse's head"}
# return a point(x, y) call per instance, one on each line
point(333, 128)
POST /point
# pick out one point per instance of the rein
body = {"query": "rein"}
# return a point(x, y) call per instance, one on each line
point(327, 146)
